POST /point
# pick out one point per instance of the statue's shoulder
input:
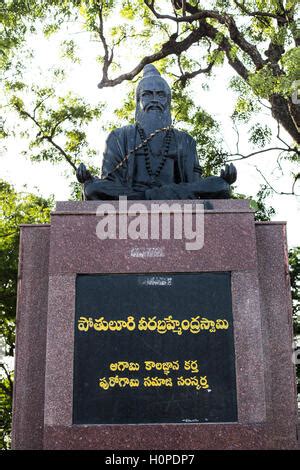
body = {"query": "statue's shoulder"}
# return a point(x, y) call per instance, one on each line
point(184, 137)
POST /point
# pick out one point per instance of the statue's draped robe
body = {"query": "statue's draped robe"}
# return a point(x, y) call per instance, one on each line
point(123, 181)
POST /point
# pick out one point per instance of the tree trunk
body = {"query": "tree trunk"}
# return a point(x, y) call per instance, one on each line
point(287, 114)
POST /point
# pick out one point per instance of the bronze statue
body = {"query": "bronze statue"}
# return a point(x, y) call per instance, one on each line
point(151, 159)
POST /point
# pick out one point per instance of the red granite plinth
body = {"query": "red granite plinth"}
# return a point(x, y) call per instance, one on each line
point(30, 358)
point(256, 256)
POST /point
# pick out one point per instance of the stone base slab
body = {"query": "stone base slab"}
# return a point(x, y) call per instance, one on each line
point(256, 255)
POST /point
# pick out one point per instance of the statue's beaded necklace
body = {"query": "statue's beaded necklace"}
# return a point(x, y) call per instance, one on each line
point(144, 143)
point(147, 150)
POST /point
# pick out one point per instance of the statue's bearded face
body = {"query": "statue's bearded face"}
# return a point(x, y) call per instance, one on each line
point(153, 98)
point(153, 103)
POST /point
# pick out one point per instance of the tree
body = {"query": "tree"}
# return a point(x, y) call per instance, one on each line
point(15, 209)
point(258, 38)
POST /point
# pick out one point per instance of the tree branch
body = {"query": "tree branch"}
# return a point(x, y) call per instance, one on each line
point(261, 14)
point(281, 193)
point(224, 19)
point(39, 104)
point(281, 113)
point(49, 138)
point(282, 109)
point(169, 47)
point(244, 157)
point(199, 15)
point(9, 234)
point(108, 56)
point(53, 130)
point(173, 47)
point(225, 46)
point(185, 76)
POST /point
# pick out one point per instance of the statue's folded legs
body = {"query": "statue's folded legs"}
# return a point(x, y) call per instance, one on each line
point(213, 187)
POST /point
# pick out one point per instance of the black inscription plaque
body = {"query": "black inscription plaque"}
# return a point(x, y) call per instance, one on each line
point(198, 363)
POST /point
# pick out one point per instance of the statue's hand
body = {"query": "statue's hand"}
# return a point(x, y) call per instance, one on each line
point(229, 174)
point(83, 175)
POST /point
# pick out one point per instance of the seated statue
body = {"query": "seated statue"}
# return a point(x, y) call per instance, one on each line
point(150, 159)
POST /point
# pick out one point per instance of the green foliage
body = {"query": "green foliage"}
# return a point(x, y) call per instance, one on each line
point(205, 131)
point(60, 124)
point(294, 261)
point(18, 17)
point(69, 50)
point(263, 212)
point(260, 135)
point(182, 104)
point(264, 84)
point(77, 190)
point(244, 109)
point(15, 209)
point(6, 391)
point(291, 63)
point(201, 126)
point(127, 11)
point(125, 114)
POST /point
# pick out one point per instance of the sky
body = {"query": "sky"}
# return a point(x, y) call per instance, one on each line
point(83, 78)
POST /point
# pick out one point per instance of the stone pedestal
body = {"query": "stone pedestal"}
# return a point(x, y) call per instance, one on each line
point(255, 254)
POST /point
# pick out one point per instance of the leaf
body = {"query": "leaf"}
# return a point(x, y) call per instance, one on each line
point(253, 205)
